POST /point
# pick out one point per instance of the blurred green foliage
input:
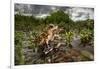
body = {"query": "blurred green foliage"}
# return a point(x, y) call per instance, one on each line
point(19, 57)
point(86, 36)
point(69, 37)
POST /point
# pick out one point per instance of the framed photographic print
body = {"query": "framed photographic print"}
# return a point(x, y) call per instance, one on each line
point(44, 33)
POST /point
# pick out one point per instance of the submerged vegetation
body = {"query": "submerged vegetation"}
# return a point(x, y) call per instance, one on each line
point(76, 42)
